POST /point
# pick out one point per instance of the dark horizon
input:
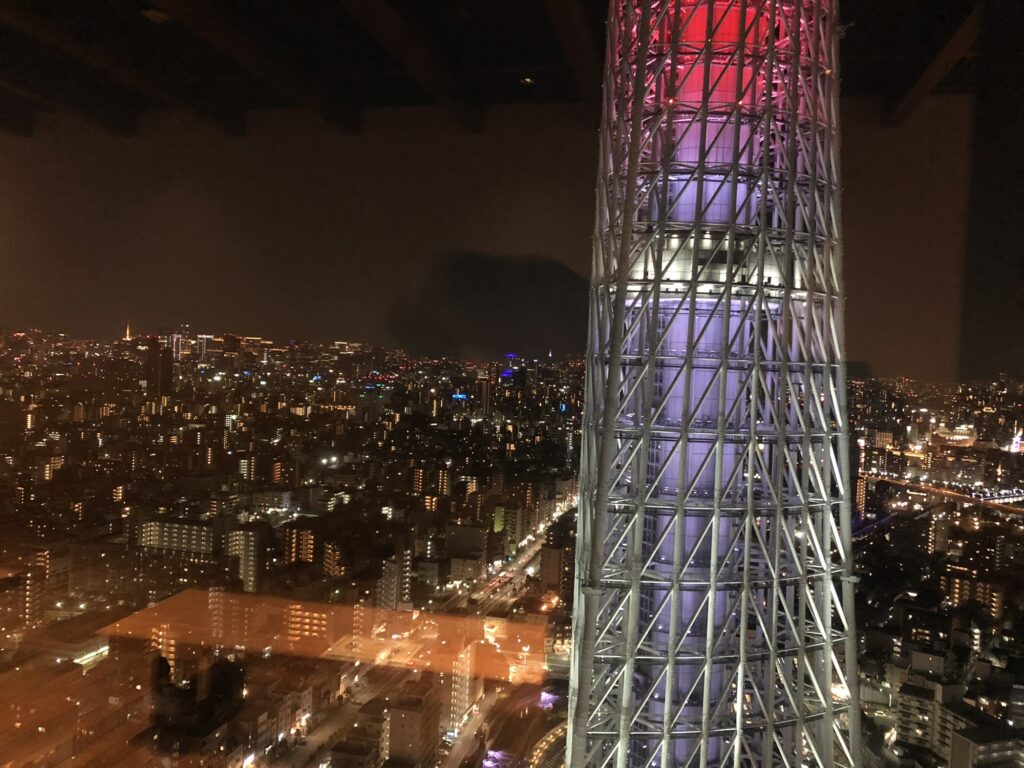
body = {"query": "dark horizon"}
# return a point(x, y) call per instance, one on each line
point(210, 280)
point(296, 228)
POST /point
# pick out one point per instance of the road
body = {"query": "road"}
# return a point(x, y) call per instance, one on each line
point(517, 724)
point(488, 596)
point(510, 570)
point(338, 723)
point(501, 586)
point(341, 719)
point(466, 742)
point(549, 752)
point(320, 739)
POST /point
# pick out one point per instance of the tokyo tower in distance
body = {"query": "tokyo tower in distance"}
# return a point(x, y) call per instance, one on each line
point(714, 594)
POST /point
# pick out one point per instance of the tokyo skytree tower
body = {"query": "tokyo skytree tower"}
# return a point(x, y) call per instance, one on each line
point(714, 593)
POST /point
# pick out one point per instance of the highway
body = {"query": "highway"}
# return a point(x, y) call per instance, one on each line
point(948, 493)
point(549, 752)
point(501, 586)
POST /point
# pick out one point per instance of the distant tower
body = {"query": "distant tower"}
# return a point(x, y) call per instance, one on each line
point(127, 331)
point(714, 592)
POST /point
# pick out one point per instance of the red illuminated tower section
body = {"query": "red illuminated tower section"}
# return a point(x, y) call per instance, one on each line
point(714, 621)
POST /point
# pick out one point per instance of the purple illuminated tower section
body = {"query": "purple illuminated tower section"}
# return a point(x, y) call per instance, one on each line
point(714, 621)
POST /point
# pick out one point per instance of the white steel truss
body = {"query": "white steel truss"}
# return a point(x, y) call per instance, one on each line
point(714, 596)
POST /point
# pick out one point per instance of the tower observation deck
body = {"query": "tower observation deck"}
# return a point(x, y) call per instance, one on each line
point(714, 622)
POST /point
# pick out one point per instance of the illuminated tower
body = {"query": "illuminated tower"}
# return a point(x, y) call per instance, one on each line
point(714, 595)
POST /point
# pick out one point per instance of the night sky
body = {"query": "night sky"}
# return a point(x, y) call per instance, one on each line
point(416, 233)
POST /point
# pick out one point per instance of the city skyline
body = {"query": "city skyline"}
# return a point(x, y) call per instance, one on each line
point(321, 228)
point(312, 500)
point(166, 330)
point(239, 280)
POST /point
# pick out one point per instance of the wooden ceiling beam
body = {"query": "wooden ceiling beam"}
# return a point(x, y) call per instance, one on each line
point(956, 48)
point(569, 19)
point(387, 27)
point(219, 32)
point(18, 122)
point(116, 121)
point(105, 63)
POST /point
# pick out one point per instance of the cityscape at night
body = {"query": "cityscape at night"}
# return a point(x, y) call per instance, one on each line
point(313, 538)
point(544, 384)
point(341, 551)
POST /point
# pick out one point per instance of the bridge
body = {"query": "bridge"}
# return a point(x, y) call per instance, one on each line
point(1002, 501)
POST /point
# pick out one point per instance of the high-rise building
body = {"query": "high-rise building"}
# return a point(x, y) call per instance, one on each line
point(413, 724)
point(714, 597)
point(557, 557)
point(334, 563)
point(175, 534)
point(299, 543)
point(465, 688)
point(247, 544)
point(203, 341)
point(21, 601)
point(159, 370)
point(393, 590)
point(961, 584)
point(987, 745)
point(444, 482)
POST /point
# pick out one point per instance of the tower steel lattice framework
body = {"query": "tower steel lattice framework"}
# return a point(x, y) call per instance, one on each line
point(714, 594)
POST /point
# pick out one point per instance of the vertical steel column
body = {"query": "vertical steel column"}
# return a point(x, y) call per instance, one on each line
point(714, 619)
